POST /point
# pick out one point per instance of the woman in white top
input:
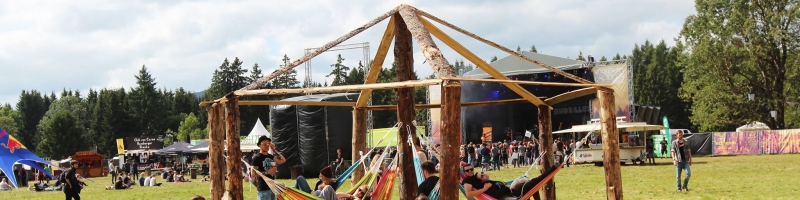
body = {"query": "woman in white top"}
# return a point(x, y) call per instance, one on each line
point(4, 185)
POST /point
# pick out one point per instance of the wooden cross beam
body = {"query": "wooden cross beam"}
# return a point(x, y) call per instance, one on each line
point(481, 63)
point(340, 88)
point(377, 63)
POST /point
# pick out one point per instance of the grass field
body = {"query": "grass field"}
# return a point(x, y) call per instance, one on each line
point(735, 177)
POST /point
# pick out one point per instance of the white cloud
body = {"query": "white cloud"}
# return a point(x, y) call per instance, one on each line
point(48, 45)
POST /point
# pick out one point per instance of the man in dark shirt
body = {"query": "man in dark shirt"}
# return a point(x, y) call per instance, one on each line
point(72, 188)
point(682, 159)
point(266, 164)
point(428, 171)
point(472, 184)
point(471, 154)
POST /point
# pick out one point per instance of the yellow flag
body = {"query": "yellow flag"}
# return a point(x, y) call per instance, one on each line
point(120, 146)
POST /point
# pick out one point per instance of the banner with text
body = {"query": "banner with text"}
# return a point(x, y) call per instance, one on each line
point(757, 142)
point(144, 142)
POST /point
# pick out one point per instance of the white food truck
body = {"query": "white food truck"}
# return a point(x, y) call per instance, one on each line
point(631, 141)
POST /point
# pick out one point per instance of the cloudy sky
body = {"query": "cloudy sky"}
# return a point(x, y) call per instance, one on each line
point(51, 45)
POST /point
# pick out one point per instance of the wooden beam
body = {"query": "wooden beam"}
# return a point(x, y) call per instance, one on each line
point(425, 41)
point(359, 142)
point(546, 144)
point(465, 104)
point(610, 135)
point(377, 63)
point(570, 95)
point(299, 103)
point(502, 48)
point(216, 162)
point(341, 88)
point(481, 63)
point(451, 140)
point(526, 82)
point(404, 68)
point(235, 186)
point(263, 80)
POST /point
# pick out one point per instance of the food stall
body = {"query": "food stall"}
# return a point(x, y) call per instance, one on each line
point(631, 144)
point(90, 164)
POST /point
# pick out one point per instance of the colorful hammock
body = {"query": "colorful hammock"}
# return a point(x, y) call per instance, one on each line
point(541, 183)
point(346, 174)
point(281, 191)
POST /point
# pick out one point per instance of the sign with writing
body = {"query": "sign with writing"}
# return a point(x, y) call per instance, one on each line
point(85, 153)
point(144, 142)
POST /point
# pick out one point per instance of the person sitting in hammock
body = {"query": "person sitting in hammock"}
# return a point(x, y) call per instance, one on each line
point(325, 187)
point(496, 189)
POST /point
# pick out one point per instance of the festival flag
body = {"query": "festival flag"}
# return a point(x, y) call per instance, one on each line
point(667, 133)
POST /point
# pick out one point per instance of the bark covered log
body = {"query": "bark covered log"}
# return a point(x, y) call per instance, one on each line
point(216, 162)
point(235, 186)
point(359, 142)
point(404, 67)
point(451, 140)
point(546, 146)
point(610, 135)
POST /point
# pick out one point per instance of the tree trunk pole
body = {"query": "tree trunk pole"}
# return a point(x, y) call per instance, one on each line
point(546, 146)
point(610, 134)
point(404, 67)
point(359, 142)
point(215, 159)
point(451, 140)
point(234, 153)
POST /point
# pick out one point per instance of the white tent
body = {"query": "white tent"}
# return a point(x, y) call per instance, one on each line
point(753, 126)
point(249, 142)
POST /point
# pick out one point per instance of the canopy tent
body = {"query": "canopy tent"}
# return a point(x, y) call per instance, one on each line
point(15, 152)
point(176, 148)
point(753, 126)
point(199, 148)
point(249, 142)
point(622, 126)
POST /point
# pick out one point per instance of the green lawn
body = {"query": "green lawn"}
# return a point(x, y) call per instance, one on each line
point(735, 177)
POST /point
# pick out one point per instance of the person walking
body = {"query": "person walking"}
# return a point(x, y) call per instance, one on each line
point(682, 159)
point(72, 186)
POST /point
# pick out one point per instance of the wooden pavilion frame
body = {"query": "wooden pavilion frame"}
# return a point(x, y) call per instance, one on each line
point(404, 24)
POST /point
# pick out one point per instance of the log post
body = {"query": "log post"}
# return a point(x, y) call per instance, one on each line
point(216, 132)
point(234, 152)
point(610, 134)
point(359, 142)
point(546, 146)
point(404, 67)
point(451, 140)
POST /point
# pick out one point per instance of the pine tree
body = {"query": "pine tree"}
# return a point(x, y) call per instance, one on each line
point(580, 56)
point(494, 58)
point(603, 59)
point(143, 102)
point(31, 108)
point(339, 72)
point(616, 57)
point(533, 49)
point(518, 49)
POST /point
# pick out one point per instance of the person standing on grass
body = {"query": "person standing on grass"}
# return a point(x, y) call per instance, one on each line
point(663, 147)
point(72, 186)
point(682, 159)
point(264, 145)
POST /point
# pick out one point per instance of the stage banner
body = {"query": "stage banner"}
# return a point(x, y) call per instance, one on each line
point(487, 134)
point(435, 97)
point(616, 75)
point(757, 142)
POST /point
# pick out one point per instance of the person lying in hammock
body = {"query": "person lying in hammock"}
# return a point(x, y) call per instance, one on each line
point(324, 187)
point(497, 189)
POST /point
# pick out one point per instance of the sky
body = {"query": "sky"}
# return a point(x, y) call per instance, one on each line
point(78, 45)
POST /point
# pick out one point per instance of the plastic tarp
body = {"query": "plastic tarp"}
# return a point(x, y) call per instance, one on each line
point(283, 119)
point(700, 143)
point(309, 135)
